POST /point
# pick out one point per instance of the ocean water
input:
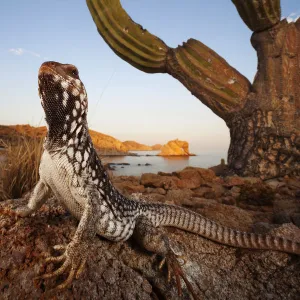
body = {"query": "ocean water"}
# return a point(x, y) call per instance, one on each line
point(159, 163)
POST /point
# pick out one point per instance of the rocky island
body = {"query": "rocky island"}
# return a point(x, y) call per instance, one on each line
point(175, 148)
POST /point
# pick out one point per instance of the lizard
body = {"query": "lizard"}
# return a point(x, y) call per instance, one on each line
point(72, 170)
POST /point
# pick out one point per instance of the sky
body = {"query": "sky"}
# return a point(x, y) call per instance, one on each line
point(123, 101)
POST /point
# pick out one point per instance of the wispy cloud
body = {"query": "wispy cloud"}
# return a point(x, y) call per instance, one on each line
point(21, 51)
point(293, 17)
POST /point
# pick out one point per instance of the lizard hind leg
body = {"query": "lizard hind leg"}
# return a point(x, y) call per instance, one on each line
point(154, 240)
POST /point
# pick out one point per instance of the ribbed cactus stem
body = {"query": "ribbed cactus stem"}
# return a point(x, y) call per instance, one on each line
point(126, 38)
point(259, 14)
point(209, 77)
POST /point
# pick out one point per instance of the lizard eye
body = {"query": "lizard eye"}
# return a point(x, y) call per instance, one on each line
point(75, 72)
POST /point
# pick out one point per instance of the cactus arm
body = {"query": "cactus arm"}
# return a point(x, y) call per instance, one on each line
point(126, 38)
point(259, 15)
point(207, 75)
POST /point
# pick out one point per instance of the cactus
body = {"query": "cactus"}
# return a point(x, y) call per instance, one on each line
point(128, 39)
point(263, 117)
point(259, 14)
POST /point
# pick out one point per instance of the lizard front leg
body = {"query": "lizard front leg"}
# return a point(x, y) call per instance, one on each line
point(154, 240)
point(75, 253)
point(37, 199)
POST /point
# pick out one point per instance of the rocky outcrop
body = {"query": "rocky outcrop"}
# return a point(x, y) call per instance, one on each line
point(134, 146)
point(107, 144)
point(125, 271)
point(156, 147)
point(175, 148)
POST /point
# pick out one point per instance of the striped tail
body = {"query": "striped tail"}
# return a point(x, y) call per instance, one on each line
point(175, 216)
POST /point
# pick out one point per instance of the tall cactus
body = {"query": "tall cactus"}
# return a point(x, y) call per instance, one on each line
point(263, 117)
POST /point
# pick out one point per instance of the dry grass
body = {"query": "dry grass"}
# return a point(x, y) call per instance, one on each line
point(20, 170)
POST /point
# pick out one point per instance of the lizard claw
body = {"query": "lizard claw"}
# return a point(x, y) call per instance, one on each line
point(73, 259)
point(173, 266)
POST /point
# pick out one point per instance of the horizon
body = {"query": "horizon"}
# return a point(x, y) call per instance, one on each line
point(123, 102)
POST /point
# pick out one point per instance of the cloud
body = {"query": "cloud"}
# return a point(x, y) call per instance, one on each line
point(17, 51)
point(21, 51)
point(293, 17)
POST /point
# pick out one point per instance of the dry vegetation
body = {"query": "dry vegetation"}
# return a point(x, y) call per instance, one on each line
point(19, 171)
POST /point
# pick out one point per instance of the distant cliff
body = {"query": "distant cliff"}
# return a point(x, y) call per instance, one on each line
point(156, 147)
point(175, 148)
point(105, 144)
point(134, 146)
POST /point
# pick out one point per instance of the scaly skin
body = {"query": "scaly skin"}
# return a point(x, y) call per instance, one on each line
point(72, 170)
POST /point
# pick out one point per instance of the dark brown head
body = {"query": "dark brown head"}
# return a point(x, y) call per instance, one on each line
point(63, 98)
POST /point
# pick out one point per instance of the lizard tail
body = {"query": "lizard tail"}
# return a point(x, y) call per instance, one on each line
point(175, 216)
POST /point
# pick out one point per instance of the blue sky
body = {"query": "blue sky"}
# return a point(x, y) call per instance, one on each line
point(123, 102)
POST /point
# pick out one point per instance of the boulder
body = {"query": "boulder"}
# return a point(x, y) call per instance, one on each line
point(128, 187)
point(154, 180)
point(192, 178)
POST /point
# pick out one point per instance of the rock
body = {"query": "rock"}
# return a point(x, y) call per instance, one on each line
point(156, 147)
point(164, 174)
point(231, 181)
point(189, 179)
point(231, 216)
point(274, 183)
point(221, 169)
point(228, 200)
point(263, 228)
point(198, 202)
point(201, 191)
point(154, 180)
point(256, 194)
point(179, 196)
point(293, 182)
point(133, 179)
point(155, 197)
point(125, 271)
point(134, 146)
point(281, 217)
point(218, 189)
point(160, 191)
point(197, 175)
point(175, 148)
point(129, 187)
point(252, 180)
point(296, 219)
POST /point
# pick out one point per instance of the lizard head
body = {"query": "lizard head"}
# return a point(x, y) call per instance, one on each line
point(63, 98)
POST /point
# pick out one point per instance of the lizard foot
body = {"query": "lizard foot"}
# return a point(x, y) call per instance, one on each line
point(73, 259)
point(23, 211)
point(173, 266)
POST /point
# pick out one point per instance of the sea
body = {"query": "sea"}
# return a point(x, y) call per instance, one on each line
point(148, 162)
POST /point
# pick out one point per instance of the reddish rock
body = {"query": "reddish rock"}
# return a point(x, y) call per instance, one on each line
point(192, 178)
point(129, 187)
point(154, 180)
point(179, 196)
point(201, 191)
point(234, 180)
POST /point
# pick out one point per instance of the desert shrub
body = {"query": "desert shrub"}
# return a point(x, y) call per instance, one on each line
point(256, 194)
point(20, 170)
